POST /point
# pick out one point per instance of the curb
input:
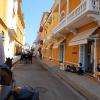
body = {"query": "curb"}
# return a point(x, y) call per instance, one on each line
point(16, 59)
point(66, 80)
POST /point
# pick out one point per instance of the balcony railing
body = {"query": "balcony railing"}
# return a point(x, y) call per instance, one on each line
point(85, 6)
point(61, 24)
point(91, 6)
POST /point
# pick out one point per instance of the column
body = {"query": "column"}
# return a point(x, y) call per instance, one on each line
point(67, 7)
point(52, 19)
point(95, 55)
point(59, 10)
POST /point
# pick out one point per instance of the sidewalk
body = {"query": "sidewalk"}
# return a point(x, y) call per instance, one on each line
point(82, 84)
point(16, 58)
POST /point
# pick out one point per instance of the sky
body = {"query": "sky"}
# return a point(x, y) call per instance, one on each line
point(33, 11)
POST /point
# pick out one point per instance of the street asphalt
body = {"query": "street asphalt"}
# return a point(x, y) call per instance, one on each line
point(49, 87)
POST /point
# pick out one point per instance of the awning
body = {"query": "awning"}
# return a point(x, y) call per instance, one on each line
point(12, 33)
point(82, 38)
point(56, 45)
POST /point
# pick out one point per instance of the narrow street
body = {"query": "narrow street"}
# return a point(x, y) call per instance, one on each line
point(50, 88)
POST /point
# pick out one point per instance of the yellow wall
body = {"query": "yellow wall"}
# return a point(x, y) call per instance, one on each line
point(49, 29)
point(20, 30)
point(3, 7)
point(72, 54)
point(55, 20)
point(47, 52)
point(55, 55)
point(73, 4)
point(20, 34)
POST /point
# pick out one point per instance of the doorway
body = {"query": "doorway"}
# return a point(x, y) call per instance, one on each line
point(87, 56)
point(90, 56)
point(61, 53)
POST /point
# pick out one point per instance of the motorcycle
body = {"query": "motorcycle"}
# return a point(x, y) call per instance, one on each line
point(10, 91)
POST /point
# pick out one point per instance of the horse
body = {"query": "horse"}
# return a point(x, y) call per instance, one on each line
point(8, 62)
point(26, 57)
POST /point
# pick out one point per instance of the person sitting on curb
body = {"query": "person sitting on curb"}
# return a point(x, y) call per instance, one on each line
point(80, 71)
point(98, 66)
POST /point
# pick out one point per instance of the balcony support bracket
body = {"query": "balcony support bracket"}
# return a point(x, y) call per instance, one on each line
point(74, 31)
point(95, 17)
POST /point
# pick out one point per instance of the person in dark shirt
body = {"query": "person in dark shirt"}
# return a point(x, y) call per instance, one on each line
point(80, 71)
point(98, 66)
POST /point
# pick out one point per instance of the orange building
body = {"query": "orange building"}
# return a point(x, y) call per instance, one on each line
point(73, 34)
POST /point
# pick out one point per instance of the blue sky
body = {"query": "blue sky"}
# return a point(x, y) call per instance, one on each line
point(33, 11)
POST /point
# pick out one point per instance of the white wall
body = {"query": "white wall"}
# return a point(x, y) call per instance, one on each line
point(11, 24)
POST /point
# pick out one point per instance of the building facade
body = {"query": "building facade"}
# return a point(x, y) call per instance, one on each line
point(8, 25)
point(73, 33)
point(20, 30)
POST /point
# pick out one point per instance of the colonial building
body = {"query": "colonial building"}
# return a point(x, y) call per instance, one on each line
point(73, 33)
point(20, 30)
point(9, 14)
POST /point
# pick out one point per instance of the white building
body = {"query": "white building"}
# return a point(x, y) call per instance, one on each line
point(12, 6)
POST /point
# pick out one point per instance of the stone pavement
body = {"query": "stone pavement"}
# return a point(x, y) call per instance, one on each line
point(38, 77)
point(81, 83)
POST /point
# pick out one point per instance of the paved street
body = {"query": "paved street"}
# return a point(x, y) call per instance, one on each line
point(50, 87)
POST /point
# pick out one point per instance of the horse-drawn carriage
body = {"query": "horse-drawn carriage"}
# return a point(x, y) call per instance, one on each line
point(26, 58)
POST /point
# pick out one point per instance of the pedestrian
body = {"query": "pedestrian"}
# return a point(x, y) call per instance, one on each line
point(40, 53)
point(80, 71)
point(98, 66)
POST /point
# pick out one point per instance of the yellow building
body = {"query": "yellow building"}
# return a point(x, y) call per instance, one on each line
point(3, 26)
point(43, 31)
point(74, 34)
point(20, 29)
point(11, 21)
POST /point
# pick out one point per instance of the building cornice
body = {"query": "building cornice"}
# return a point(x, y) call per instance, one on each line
point(20, 15)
